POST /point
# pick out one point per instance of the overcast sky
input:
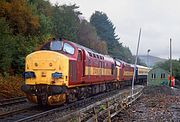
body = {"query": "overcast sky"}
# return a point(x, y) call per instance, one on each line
point(159, 20)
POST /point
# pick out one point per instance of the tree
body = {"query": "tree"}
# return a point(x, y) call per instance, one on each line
point(6, 46)
point(106, 31)
point(45, 24)
point(175, 65)
point(19, 16)
point(65, 22)
point(41, 7)
point(87, 36)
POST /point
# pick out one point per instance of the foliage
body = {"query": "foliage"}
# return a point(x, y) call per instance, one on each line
point(10, 87)
point(45, 24)
point(65, 21)
point(5, 45)
point(175, 67)
point(87, 36)
point(106, 31)
point(20, 17)
point(26, 24)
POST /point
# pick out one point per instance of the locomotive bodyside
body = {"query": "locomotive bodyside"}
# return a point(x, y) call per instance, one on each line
point(127, 72)
point(96, 68)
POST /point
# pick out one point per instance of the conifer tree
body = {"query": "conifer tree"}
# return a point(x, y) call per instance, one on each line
point(106, 31)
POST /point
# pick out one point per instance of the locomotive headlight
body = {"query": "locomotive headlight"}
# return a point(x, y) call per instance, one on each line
point(29, 74)
point(57, 75)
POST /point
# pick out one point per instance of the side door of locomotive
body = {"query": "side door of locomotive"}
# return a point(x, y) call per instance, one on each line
point(80, 70)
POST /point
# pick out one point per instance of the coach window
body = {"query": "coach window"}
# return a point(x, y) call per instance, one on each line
point(94, 55)
point(68, 48)
point(90, 54)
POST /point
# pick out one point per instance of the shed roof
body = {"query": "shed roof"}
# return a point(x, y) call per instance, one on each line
point(158, 68)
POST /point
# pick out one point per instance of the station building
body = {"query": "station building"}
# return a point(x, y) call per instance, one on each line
point(157, 76)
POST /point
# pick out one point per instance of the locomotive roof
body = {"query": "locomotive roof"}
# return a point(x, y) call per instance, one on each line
point(82, 47)
point(122, 62)
point(106, 57)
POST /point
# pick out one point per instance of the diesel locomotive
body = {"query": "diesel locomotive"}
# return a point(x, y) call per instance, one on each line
point(62, 71)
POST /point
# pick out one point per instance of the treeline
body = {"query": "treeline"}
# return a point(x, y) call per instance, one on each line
point(175, 67)
point(26, 24)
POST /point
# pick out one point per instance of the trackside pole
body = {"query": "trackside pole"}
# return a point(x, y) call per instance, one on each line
point(170, 62)
point(135, 63)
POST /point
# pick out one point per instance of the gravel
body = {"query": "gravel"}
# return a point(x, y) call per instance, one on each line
point(157, 104)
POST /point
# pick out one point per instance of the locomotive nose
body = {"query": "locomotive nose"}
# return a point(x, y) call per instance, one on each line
point(46, 75)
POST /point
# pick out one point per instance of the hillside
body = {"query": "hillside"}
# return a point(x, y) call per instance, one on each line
point(151, 60)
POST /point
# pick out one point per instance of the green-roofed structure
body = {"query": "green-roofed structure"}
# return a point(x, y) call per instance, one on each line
point(157, 76)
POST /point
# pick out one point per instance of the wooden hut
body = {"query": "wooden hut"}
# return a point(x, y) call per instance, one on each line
point(157, 76)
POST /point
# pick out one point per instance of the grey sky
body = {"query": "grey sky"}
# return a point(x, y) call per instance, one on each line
point(159, 20)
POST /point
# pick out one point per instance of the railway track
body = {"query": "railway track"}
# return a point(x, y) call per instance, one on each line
point(19, 114)
point(3, 115)
point(68, 109)
point(7, 102)
point(104, 109)
point(36, 113)
point(31, 114)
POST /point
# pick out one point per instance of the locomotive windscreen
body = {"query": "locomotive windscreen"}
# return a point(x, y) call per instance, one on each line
point(54, 45)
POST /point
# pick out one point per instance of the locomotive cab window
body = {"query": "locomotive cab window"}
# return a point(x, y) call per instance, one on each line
point(56, 45)
point(68, 48)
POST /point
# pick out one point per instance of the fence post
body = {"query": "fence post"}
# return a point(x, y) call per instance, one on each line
point(109, 113)
point(116, 105)
point(95, 114)
point(79, 117)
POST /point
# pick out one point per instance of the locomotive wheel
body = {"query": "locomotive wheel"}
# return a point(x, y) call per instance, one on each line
point(42, 99)
point(71, 98)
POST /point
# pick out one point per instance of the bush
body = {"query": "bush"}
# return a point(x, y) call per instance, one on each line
point(11, 87)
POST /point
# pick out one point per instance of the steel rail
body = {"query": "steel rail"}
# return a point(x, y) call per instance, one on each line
point(122, 97)
point(80, 103)
point(11, 113)
point(11, 101)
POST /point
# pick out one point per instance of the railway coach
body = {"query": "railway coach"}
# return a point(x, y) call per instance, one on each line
point(125, 71)
point(141, 74)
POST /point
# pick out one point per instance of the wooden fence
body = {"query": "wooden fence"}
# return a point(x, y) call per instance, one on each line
point(105, 109)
